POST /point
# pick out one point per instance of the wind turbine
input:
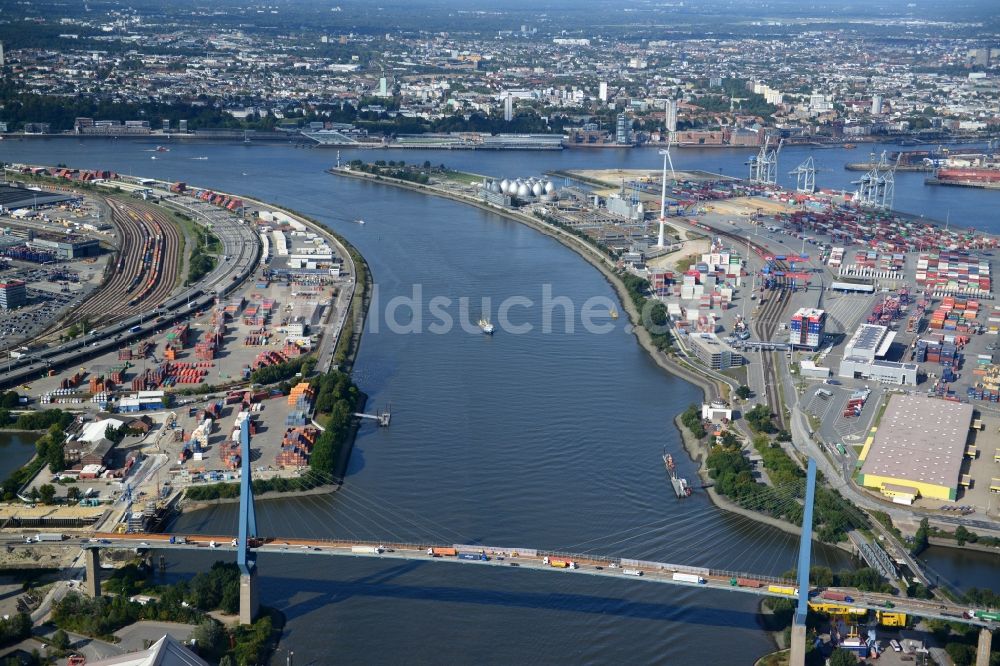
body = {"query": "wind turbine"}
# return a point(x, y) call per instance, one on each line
point(663, 191)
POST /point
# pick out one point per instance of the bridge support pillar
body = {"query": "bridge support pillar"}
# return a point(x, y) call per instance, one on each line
point(797, 649)
point(92, 560)
point(983, 649)
point(797, 652)
point(245, 559)
point(249, 603)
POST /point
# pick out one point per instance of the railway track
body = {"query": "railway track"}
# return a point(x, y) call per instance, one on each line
point(764, 327)
point(145, 270)
point(764, 323)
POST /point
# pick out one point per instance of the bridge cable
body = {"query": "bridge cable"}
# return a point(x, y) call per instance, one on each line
point(353, 509)
point(320, 514)
point(321, 506)
point(739, 521)
point(729, 523)
point(732, 522)
point(785, 501)
point(388, 510)
point(404, 513)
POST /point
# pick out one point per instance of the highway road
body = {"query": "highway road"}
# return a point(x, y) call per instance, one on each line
point(523, 559)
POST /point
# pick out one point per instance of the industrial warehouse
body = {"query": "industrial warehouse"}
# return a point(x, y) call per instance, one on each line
point(864, 358)
point(918, 449)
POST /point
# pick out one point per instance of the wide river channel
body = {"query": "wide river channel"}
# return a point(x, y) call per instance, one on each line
point(550, 439)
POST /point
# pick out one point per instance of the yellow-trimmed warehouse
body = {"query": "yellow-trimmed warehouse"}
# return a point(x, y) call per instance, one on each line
point(918, 449)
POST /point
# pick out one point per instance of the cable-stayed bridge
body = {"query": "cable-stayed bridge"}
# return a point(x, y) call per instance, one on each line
point(249, 542)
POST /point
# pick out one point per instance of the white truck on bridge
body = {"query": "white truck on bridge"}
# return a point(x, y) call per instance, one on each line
point(366, 550)
point(46, 536)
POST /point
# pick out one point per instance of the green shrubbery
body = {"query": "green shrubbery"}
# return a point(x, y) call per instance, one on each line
point(200, 262)
point(336, 400)
point(307, 481)
point(36, 420)
point(14, 629)
point(691, 418)
point(759, 418)
point(733, 476)
point(279, 372)
point(187, 601)
point(654, 313)
point(397, 170)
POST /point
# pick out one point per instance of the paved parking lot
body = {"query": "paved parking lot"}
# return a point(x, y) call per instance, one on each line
point(846, 311)
point(51, 290)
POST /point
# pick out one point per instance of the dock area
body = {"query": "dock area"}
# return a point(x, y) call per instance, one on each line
point(382, 417)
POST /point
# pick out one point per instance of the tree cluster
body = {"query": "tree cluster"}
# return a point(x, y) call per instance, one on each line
point(411, 174)
point(200, 263)
point(336, 397)
point(733, 474)
point(36, 420)
point(691, 418)
point(279, 372)
point(759, 418)
point(14, 629)
point(865, 579)
point(654, 313)
point(9, 400)
point(277, 484)
point(187, 601)
point(963, 535)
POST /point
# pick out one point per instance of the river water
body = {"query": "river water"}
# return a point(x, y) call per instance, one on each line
point(548, 439)
point(16, 448)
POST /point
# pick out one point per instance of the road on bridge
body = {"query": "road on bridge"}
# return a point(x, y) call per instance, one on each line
point(528, 559)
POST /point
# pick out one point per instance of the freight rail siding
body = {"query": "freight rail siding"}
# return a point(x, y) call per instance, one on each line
point(764, 326)
point(764, 323)
point(531, 559)
point(239, 243)
point(145, 272)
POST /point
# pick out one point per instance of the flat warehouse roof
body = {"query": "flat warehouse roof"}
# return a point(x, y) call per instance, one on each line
point(920, 439)
point(867, 337)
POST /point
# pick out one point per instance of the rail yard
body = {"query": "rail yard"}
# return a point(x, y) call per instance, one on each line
point(145, 272)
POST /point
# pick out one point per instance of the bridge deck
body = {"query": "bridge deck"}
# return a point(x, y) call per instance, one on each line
point(531, 559)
